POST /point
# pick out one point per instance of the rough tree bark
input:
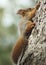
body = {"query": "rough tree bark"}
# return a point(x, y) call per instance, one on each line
point(35, 52)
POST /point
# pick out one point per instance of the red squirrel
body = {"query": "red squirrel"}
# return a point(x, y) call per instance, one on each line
point(23, 39)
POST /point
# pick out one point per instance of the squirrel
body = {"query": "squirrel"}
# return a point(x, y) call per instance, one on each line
point(25, 29)
point(22, 40)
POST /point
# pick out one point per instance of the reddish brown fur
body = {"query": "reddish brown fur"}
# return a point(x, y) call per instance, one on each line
point(29, 26)
point(18, 48)
point(22, 39)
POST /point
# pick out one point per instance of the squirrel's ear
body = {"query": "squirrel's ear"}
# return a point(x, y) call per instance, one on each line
point(21, 12)
point(38, 5)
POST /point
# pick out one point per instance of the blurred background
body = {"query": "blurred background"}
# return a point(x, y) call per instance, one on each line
point(9, 26)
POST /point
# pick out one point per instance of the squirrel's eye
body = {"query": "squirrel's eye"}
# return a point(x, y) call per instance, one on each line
point(45, 3)
point(45, 9)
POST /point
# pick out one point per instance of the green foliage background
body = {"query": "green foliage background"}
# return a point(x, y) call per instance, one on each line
point(8, 35)
point(6, 43)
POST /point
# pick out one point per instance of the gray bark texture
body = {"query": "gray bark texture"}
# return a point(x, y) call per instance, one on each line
point(35, 53)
